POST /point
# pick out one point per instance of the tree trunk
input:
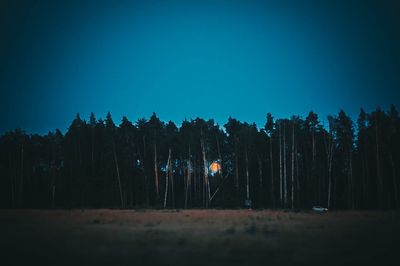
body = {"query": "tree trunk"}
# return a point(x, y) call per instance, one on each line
point(218, 149)
point(314, 149)
point(351, 184)
point(363, 192)
point(396, 194)
point(280, 164)
point(118, 176)
point(183, 166)
point(284, 166)
point(297, 175)
point(206, 181)
point(22, 176)
point(92, 154)
point(171, 178)
point(260, 177)
point(378, 166)
point(166, 178)
point(272, 171)
point(367, 175)
point(293, 166)
point(329, 163)
point(364, 171)
point(314, 152)
point(219, 187)
point(12, 186)
point(188, 180)
point(247, 176)
point(195, 186)
point(236, 166)
point(156, 171)
point(53, 195)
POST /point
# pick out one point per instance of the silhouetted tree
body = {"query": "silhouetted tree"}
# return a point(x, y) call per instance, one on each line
point(150, 163)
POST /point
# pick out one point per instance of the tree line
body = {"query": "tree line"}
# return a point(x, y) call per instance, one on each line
point(289, 163)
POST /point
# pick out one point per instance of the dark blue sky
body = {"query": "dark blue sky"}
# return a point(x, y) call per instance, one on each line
point(183, 59)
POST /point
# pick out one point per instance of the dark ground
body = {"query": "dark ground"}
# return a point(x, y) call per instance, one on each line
point(198, 237)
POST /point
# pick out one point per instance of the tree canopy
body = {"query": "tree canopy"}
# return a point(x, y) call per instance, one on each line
point(289, 163)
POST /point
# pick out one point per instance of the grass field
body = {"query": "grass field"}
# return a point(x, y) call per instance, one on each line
point(198, 237)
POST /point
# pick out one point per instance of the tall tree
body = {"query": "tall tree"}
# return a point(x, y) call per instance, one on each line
point(280, 165)
point(329, 147)
point(111, 134)
point(361, 144)
point(269, 128)
point(345, 140)
point(155, 128)
point(394, 140)
point(232, 128)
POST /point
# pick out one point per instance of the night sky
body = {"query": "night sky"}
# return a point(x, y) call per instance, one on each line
point(184, 59)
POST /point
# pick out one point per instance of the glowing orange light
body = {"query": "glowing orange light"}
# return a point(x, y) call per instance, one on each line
point(215, 167)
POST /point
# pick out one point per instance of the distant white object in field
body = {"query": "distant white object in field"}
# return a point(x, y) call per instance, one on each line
point(319, 209)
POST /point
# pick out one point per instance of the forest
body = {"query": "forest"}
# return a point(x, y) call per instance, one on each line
point(290, 163)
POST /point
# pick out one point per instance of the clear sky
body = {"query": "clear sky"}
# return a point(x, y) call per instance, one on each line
point(211, 59)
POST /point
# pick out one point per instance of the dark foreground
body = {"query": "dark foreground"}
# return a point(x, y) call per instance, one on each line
point(198, 237)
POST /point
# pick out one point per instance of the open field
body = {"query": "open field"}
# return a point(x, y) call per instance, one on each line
point(198, 237)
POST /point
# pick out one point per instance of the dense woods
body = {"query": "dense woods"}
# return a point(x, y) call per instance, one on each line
point(288, 163)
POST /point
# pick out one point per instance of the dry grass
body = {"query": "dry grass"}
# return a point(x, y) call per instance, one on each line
point(198, 237)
